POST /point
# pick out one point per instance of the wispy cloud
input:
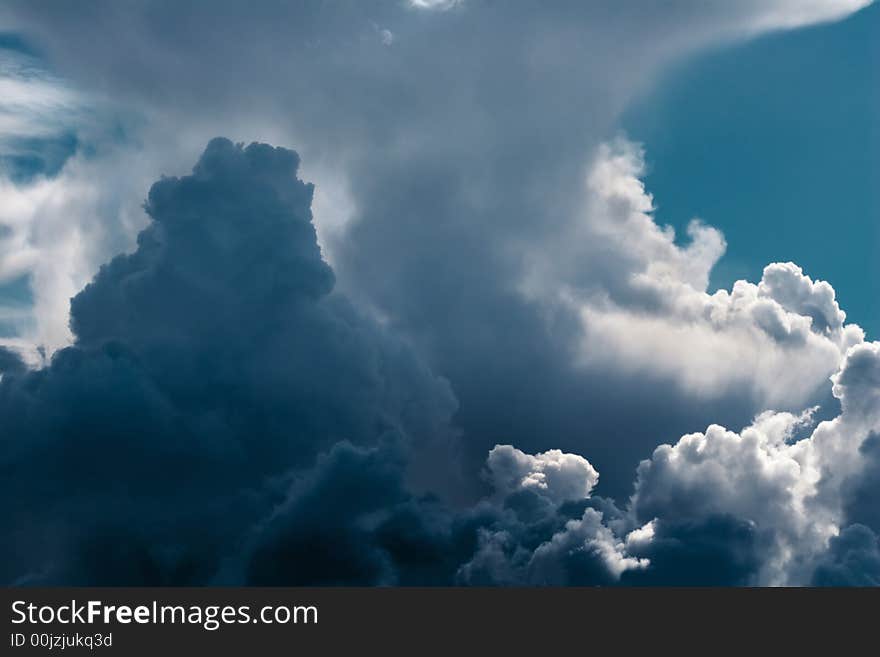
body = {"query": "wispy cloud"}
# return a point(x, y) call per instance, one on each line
point(33, 102)
point(52, 214)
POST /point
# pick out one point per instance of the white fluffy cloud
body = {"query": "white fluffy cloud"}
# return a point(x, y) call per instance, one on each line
point(589, 536)
point(791, 490)
point(757, 475)
point(780, 340)
point(787, 487)
point(644, 304)
point(554, 475)
point(583, 549)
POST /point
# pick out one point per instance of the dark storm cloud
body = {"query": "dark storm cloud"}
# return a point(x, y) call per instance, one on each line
point(212, 359)
point(352, 521)
point(462, 145)
point(863, 492)
point(10, 362)
point(853, 559)
point(224, 416)
point(718, 551)
point(322, 534)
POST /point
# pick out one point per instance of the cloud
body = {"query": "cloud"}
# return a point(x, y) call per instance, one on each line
point(58, 228)
point(37, 108)
point(225, 416)
point(585, 553)
point(853, 560)
point(480, 174)
point(440, 5)
point(788, 492)
point(554, 474)
point(10, 362)
point(58, 221)
point(322, 534)
point(544, 528)
point(208, 363)
point(792, 13)
point(222, 375)
point(768, 505)
point(861, 493)
point(755, 477)
point(643, 302)
point(718, 550)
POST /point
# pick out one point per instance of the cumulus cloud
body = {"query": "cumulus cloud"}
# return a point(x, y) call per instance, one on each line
point(852, 560)
point(644, 305)
point(788, 493)
point(552, 474)
point(541, 526)
point(10, 362)
point(719, 550)
point(261, 429)
point(222, 376)
point(571, 556)
point(480, 173)
point(756, 477)
point(767, 505)
point(323, 533)
point(209, 361)
point(770, 504)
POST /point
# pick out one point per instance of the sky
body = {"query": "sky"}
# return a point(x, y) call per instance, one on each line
point(790, 121)
point(416, 292)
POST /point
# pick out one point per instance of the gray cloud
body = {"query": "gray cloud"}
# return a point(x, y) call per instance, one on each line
point(852, 560)
point(209, 361)
point(450, 161)
point(216, 374)
point(225, 416)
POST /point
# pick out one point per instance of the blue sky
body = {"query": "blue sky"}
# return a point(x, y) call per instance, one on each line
point(777, 143)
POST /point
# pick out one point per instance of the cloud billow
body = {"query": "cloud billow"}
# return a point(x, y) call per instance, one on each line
point(225, 416)
point(451, 160)
point(209, 364)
